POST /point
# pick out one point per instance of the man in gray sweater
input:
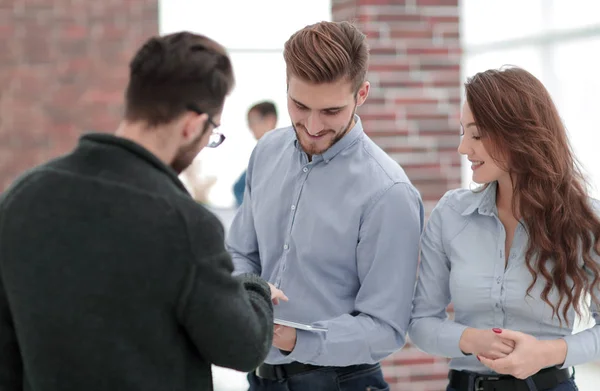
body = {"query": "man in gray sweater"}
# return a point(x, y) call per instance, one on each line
point(111, 276)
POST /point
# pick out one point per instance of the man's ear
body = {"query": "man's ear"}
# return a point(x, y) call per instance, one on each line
point(362, 93)
point(194, 125)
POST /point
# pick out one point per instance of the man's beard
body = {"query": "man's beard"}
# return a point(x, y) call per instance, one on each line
point(186, 155)
point(312, 150)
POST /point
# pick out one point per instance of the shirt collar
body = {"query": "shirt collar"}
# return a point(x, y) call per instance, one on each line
point(346, 141)
point(485, 201)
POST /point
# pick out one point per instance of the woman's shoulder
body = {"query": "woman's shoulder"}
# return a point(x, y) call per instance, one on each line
point(462, 201)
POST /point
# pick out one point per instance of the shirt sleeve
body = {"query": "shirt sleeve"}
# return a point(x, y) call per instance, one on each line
point(387, 257)
point(430, 329)
point(242, 242)
point(584, 346)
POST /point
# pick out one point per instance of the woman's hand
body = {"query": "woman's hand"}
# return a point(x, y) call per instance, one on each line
point(485, 343)
point(529, 356)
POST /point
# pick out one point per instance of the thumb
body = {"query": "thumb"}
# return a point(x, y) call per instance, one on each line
point(486, 361)
point(509, 334)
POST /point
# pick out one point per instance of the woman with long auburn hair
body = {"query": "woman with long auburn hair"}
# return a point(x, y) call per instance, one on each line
point(519, 257)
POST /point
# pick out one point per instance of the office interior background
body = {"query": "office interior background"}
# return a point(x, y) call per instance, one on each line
point(65, 65)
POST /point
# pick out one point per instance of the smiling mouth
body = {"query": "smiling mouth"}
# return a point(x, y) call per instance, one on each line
point(317, 136)
point(476, 164)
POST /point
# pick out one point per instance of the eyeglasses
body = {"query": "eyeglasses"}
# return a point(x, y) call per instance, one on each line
point(216, 138)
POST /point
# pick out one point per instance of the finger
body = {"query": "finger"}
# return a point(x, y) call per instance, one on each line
point(509, 334)
point(279, 294)
point(509, 343)
point(521, 376)
point(495, 355)
point(487, 362)
point(503, 365)
point(275, 300)
point(504, 348)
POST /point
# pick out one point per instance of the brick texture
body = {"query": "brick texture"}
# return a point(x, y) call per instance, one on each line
point(414, 104)
point(62, 72)
point(413, 114)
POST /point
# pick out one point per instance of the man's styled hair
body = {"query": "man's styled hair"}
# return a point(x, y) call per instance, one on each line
point(169, 73)
point(326, 52)
point(264, 108)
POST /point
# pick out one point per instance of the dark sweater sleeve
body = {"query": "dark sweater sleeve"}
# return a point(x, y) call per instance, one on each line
point(229, 319)
point(11, 370)
point(11, 367)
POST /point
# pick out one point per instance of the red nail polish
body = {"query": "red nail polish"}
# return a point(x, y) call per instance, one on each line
point(497, 331)
point(478, 358)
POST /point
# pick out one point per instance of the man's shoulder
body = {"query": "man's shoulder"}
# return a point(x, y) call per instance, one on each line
point(24, 181)
point(381, 164)
point(273, 145)
point(60, 188)
point(277, 138)
point(63, 177)
point(198, 218)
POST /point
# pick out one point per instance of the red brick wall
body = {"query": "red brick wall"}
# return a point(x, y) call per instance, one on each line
point(63, 68)
point(413, 112)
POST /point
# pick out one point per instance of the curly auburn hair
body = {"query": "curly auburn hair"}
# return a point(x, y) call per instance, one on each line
point(518, 120)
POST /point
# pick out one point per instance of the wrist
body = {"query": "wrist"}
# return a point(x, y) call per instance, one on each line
point(465, 344)
point(554, 352)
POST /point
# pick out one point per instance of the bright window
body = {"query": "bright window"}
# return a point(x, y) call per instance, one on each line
point(556, 40)
point(254, 32)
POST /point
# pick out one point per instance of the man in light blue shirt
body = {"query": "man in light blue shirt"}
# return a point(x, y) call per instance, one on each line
point(331, 220)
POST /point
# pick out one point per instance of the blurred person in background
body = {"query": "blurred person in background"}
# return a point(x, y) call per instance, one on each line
point(518, 256)
point(262, 117)
point(112, 276)
point(331, 220)
point(198, 185)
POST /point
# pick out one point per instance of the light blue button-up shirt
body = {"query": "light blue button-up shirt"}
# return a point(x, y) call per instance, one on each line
point(463, 262)
point(340, 236)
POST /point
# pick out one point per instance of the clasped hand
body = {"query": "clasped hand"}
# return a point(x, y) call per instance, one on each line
point(527, 356)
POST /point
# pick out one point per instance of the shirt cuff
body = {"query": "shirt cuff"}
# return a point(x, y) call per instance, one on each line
point(309, 346)
point(574, 357)
point(448, 339)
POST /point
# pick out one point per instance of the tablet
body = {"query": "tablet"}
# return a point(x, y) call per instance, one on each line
point(300, 326)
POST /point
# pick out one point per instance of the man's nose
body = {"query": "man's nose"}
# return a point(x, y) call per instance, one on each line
point(314, 124)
